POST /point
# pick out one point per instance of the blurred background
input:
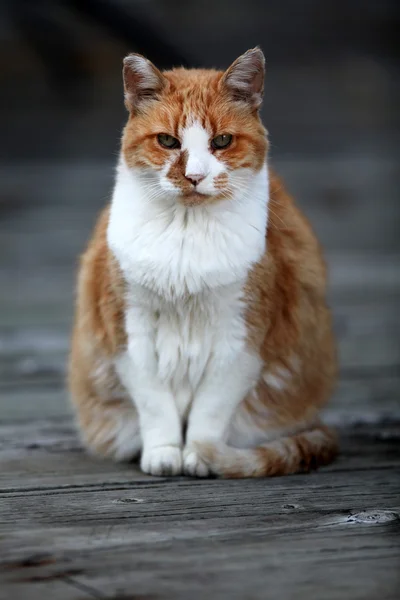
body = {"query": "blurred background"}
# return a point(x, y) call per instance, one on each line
point(332, 108)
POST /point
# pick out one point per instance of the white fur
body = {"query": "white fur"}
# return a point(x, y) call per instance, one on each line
point(172, 250)
point(275, 382)
point(185, 269)
point(280, 378)
point(202, 163)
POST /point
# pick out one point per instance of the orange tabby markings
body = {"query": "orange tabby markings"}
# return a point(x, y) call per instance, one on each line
point(202, 338)
point(299, 453)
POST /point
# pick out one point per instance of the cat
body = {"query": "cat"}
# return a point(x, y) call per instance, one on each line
point(202, 338)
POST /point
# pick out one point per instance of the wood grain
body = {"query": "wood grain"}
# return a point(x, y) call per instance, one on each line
point(73, 527)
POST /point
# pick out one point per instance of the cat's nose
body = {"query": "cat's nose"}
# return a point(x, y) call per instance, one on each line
point(195, 178)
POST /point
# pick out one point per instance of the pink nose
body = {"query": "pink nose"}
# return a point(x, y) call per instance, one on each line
point(195, 178)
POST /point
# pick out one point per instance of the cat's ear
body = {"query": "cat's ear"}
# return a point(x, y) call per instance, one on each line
point(244, 79)
point(142, 81)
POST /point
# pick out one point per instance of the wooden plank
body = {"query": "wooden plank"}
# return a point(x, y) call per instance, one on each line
point(58, 586)
point(333, 561)
point(52, 449)
point(365, 396)
point(330, 534)
point(47, 453)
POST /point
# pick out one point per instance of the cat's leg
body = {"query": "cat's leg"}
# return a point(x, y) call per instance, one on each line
point(160, 425)
point(224, 386)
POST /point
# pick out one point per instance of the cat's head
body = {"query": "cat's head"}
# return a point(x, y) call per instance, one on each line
point(195, 135)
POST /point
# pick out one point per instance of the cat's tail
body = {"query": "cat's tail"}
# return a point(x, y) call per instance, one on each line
point(300, 452)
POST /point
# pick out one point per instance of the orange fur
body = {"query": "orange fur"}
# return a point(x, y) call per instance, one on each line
point(287, 320)
point(287, 314)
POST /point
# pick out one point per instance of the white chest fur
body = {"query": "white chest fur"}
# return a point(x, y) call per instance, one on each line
point(186, 336)
point(185, 269)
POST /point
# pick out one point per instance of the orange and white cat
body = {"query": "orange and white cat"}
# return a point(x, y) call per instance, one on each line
point(202, 338)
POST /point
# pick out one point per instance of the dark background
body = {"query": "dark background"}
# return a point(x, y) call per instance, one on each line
point(332, 107)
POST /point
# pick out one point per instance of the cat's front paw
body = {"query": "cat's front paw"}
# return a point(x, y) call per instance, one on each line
point(193, 464)
point(162, 460)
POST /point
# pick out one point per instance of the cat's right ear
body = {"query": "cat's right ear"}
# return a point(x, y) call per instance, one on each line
point(244, 79)
point(143, 82)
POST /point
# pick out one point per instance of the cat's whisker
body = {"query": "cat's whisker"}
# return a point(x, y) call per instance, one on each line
point(271, 210)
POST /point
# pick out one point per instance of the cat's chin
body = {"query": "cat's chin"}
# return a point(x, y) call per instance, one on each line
point(196, 199)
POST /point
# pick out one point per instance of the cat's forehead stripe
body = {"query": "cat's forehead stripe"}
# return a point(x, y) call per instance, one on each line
point(195, 138)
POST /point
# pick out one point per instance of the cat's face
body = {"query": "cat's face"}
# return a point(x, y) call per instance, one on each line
point(194, 135)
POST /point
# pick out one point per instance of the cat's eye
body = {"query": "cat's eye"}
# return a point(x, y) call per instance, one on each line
point(221, 141)
point(168, 141)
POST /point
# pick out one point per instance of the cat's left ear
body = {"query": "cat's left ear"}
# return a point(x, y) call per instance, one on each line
point(142, 81)
point(244, 79)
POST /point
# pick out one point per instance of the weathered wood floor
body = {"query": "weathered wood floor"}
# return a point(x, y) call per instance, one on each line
point(75, 528)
